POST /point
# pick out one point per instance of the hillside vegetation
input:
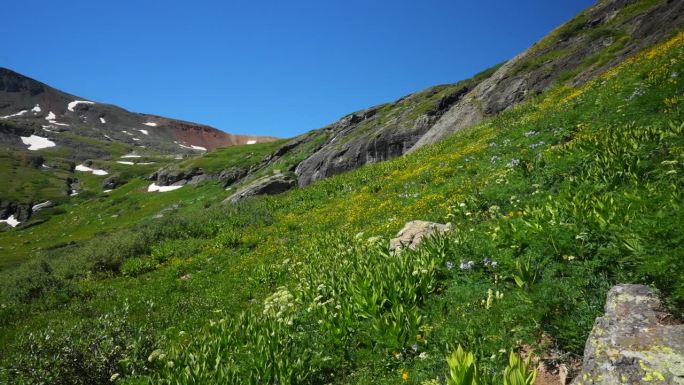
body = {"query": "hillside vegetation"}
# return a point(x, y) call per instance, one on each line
point(552, 202)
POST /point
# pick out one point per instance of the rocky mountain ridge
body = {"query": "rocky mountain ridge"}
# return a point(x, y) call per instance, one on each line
point(45, 111)
point(591, 43)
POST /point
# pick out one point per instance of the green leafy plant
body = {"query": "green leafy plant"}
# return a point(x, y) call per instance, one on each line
point(519, 371)
point(525, 275)
point(462, 368)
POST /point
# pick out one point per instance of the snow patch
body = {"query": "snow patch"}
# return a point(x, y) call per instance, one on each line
point(126, 132)
point(251, 142)
point(136, 139)
point(153, 187)
point(145, 163)
point(131, 156)
point(84, 168)
point(51, 118)
point(151, 124)
point(124, 162)
point(20, 113)
point(73, 104)
point(42, 205)
point(192, 147)
point(10, 221)
point(144, 132)
point(36, 109)
point(37, 142)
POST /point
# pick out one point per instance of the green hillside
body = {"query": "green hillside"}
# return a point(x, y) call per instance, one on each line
point(569, 193)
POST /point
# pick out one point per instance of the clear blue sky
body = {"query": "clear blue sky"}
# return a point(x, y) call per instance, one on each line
point(265, 67)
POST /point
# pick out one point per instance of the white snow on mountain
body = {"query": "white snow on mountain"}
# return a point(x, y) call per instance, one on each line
point(37, 142)
point(73, 104)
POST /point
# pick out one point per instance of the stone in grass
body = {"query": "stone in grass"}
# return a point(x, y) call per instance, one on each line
point(414, 232)
point(631, 343)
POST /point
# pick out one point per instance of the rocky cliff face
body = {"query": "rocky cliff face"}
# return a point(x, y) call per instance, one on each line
point(592, 42)
point(382, 132)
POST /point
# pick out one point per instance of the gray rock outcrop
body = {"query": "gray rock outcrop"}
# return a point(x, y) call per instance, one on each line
point(271, 184)
point(415, 232)
point(631, 345)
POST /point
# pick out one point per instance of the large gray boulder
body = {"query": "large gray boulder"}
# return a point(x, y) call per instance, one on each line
point(631, 344)
point(415, 232)
point(271, 184)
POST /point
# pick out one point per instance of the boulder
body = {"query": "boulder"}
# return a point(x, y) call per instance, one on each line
point(111, 183)
point(414, 232)
point(631, 343)
point(232, 175)
point(21, 211)
point(272, 184)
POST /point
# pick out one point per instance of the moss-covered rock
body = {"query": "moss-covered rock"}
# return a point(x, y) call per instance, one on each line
point(631, 344)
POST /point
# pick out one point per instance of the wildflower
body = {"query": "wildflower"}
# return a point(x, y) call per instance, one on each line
point(674, 74)
point(423, 356)
point(156, 354)
point(404, 374)
point(113, 377)
point(462, 204)
point(414, 347)
point(671, 172)
point(535, 145)
point(467, 265)
point(507, 142)
point(513, 163)
point(490, 299)
point(492, 144)
point(489, 263)
point(636, 93)
point(530, 133)
point(449, 265)
point(494, 159)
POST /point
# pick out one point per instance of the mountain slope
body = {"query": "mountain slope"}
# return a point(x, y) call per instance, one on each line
point(51, 140)
point(28, 101)
point(589, 44)
point(592, 42)
point(552, 200)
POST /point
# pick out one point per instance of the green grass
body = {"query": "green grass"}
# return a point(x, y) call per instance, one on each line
point(546, 50)
point(226, 158)
point(574, 191)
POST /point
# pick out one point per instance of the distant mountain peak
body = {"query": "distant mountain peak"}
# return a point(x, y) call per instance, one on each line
point(26, 100)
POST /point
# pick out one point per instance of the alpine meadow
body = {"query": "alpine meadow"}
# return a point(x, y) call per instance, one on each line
point(520, 227)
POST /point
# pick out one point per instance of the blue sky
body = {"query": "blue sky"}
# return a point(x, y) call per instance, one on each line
point(265, 67)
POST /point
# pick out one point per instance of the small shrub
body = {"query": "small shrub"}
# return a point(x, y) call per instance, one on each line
point(135, 266)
